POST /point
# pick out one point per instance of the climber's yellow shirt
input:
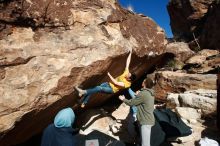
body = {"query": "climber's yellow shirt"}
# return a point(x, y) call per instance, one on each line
point(121, 78)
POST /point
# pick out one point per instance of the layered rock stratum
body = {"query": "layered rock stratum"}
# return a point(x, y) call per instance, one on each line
point(179, 82)
point(47, 47)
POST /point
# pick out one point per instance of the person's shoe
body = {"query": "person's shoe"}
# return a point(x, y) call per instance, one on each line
point(82, 105)
point(80, 91)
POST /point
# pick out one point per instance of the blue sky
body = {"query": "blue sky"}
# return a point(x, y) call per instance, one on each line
point(156, 9)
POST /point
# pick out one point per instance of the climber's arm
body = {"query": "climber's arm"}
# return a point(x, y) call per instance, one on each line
point(121, 84)
point(128, 61)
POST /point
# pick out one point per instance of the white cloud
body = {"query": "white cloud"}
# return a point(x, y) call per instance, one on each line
point(130, 8)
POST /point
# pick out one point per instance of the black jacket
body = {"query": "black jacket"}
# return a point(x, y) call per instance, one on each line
point(54, 136)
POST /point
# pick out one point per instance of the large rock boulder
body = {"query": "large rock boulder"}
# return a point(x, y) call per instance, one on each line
point(48, 47)
point(181, 50)
point(210, 37)
point(199, 18)
point(194, 115)
point(218, 101)
point(114, 124)
point(206, 104)
point(202, 56)
point(205, 61)
point(187, 16)
point(201, 99)
point(177, 82)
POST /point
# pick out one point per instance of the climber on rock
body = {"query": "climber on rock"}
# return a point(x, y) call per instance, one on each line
point(116, 84)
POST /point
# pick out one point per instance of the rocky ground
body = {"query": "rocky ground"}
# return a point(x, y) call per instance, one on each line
point(98, 127)
point(123, 129)
point(199, 131)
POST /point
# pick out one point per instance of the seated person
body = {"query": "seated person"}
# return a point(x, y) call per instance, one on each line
point(60, 133)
